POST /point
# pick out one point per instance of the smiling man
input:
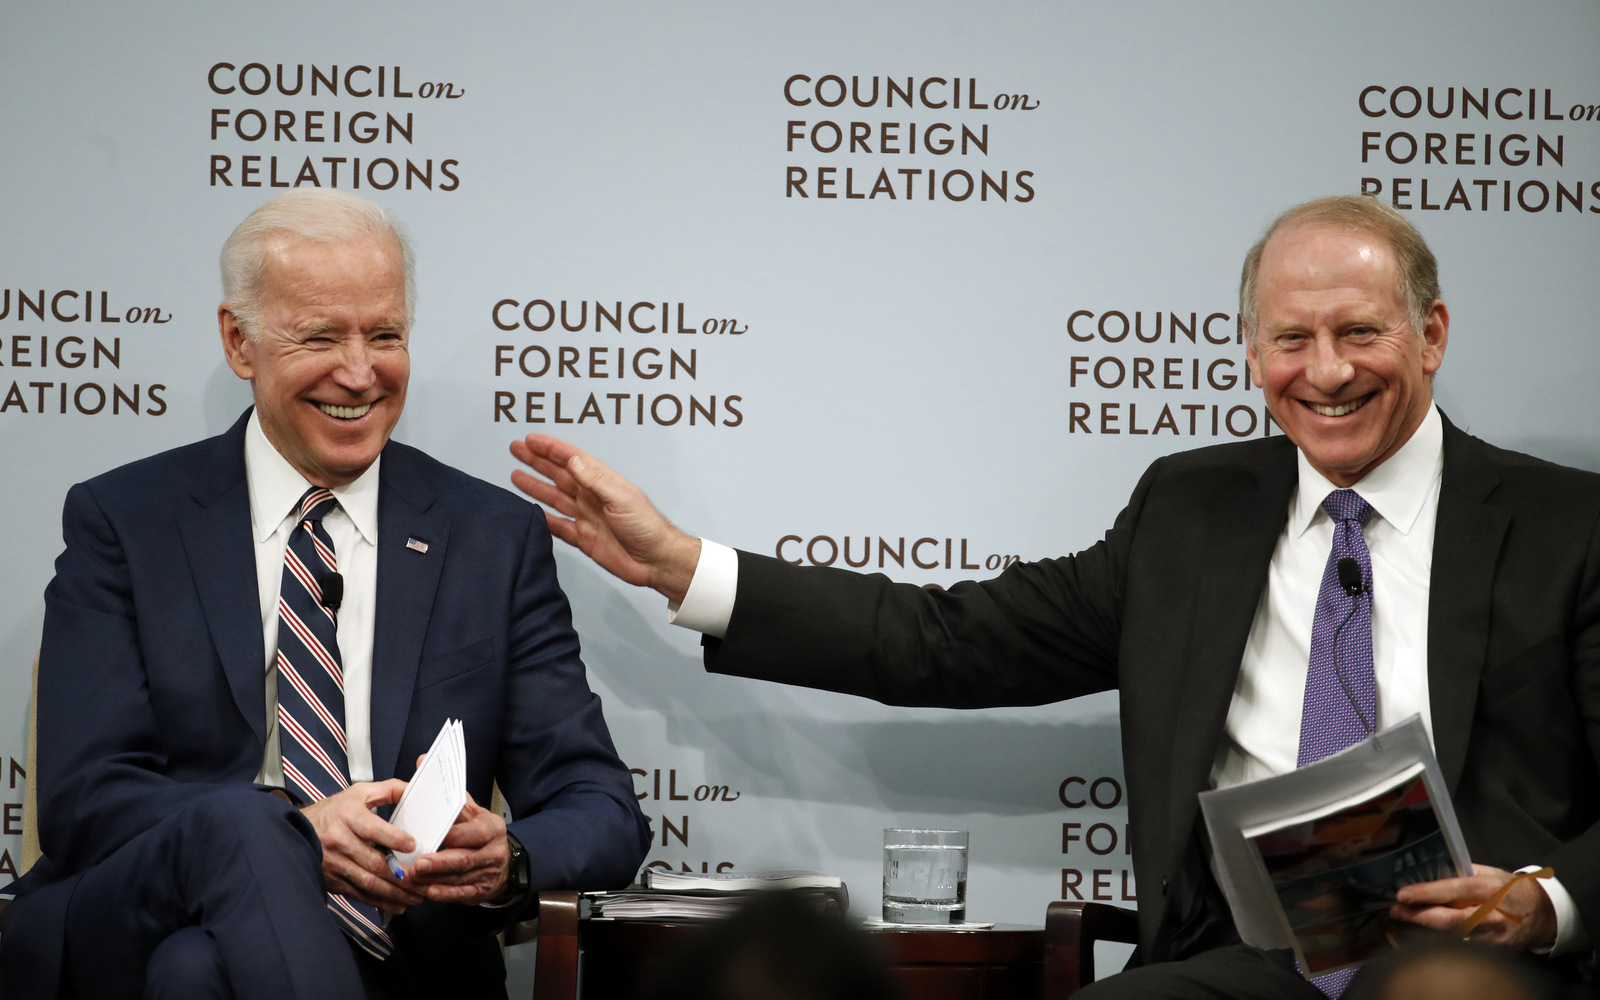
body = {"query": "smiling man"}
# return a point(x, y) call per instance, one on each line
point(325, 350)
point(1213, 603)
point(250, 641)
point(1345, 344)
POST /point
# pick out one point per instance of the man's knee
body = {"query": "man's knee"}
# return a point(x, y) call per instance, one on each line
point(187, 965)
point(245, 806)
point(1237, 972)
point(256, 822)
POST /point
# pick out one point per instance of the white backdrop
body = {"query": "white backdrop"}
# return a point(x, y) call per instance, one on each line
point(884, 364)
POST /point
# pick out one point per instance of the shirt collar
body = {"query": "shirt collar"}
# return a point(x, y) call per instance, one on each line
point(275, 488)
point(1397, 489)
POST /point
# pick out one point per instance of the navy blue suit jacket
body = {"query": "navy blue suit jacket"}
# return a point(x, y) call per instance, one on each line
point(151, 681)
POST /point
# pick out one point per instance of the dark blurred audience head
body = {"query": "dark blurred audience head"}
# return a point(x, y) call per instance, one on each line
point(780, 946)
point(1435, 970)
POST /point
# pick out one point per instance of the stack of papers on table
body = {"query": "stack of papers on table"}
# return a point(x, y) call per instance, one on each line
point(628, 905)
point(668, 895)
point(726, 882)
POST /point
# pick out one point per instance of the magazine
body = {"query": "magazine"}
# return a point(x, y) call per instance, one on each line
point(1312, 859)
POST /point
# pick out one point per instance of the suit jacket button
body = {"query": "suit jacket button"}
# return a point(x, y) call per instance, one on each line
point(1163, 885)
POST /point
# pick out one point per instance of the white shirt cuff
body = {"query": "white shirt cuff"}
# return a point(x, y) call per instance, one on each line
point(709, 603)
point(1570, 933)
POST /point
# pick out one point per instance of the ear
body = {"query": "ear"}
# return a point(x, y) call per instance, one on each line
point(1435, 336)
point(236, 347)
point(1252, 361)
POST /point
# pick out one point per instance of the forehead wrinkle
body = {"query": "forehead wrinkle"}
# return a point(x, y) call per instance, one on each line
point(315, 326)
point(320, 324)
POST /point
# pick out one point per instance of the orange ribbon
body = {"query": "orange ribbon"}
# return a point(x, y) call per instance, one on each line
point(1493, 902)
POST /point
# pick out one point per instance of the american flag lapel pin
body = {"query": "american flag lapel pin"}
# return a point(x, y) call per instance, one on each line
point(417, 545)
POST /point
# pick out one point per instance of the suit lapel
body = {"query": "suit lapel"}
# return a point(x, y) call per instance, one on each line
point(1242, 528)
point(217, 541)
point(1466, 546)
point(407, 582)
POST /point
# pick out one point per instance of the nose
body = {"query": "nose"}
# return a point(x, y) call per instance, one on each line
point(1326, 366)
point(354, 371)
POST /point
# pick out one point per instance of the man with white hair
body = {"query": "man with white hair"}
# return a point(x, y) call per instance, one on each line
point(250, 641)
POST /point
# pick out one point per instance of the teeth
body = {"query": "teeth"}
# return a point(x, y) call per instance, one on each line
point(344, 412)
point(1338, 411)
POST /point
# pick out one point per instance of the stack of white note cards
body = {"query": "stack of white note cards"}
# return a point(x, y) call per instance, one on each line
point(436, 794)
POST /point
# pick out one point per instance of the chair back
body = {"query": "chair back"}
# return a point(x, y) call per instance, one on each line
point(30, 793)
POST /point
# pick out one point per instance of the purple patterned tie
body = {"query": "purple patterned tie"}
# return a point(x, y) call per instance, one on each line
point(311, 692)
point(1329, 720)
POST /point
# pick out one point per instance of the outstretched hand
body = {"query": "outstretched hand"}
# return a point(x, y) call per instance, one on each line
point(607, 518)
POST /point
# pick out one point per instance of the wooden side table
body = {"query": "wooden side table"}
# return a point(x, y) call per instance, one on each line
point(999, 963)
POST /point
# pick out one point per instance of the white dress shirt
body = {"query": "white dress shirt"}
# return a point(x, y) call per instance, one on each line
point(275, 492)
point(1262, 731)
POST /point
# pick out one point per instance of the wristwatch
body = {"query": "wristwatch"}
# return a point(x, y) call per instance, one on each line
point(518, 876)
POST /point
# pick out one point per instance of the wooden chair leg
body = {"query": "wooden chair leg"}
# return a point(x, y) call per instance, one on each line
point(555, 966)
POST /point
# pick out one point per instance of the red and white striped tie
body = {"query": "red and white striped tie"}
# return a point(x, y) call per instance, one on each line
point(311, 692)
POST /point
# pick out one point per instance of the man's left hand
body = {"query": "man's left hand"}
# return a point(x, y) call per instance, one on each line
point(1446, 904)
point(472, 864)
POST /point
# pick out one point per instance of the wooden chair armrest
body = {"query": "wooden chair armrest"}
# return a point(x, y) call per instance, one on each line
point(555, 966)
point(1070, 931)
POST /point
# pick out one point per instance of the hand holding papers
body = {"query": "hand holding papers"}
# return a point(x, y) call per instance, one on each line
point(1497, 898)
point(434, 798)
point(1492, 906)
point(1312, 859)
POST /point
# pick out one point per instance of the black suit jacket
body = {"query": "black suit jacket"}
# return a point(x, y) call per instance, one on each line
point(152, 690)
point(1161, 609)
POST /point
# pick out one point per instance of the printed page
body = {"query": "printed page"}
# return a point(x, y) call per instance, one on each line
point(436, 794)
point(1253, 822)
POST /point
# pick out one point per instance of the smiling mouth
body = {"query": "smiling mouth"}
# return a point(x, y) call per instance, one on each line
point(1342, 409)
point(345, 412)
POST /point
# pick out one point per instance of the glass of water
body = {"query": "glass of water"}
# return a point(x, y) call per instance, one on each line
point(924, 876)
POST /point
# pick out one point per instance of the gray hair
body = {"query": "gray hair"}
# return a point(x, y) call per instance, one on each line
point(1418, 271)
point(313, 215)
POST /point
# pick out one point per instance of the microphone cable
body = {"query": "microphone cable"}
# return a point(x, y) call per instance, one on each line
point(1351, 583)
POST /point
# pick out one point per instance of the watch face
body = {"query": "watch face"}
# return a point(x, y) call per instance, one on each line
point(519, 874)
